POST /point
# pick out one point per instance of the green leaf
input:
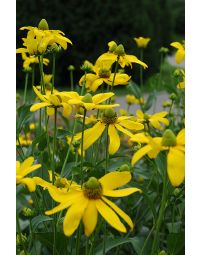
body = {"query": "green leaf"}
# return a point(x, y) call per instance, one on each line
point(175, 243)
point(174, 227)
point(43, 142)
point(23, 115)
point(134, 89)
point(39, 219)
point(148, 103)
point(61, 133)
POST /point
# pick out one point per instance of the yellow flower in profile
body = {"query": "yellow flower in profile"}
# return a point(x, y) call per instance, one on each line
point(142, 42)
point(90, 102)
point(123, 112)
point(86, 202)
point(28, 60)
point(102, 75)
point(53, 101)
point(175, 156)
point(131, 99)
point(24, 139)
point(23, 169)
point(181, 84)
point(180, 54)
point(109, 119)
point(117, 53)
point(154, 120)
point(39, 38)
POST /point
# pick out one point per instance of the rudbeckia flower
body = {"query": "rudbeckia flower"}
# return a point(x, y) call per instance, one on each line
point(90, 102)
point(180, 54)
point(28, 60)
point(142, 42)
point(39, 38)
point(53, 101)
point(115, 124)
point(117, 53)
point(102, 75)
point(154, 120)
point(23, 169)
point(175, 156)
point(85, 204)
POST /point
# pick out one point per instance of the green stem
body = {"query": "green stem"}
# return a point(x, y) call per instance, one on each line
point(26, 85)
point(54, 146)
point(113, 81)
point(160, 216)
point(33, 75)
point(82, 140)
point(83, 86)
point(78, 240)
point(20, 146)
point(107, 154)
point(53, 72)
point(31, 234)
point(146, 241)
point(20, 233)
point(141, 71)
point(71, 80)
point(40, 57)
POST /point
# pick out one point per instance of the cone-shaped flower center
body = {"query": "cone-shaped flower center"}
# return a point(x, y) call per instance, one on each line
point(124, 167)
point(104, 73)
point(109, 116)
point(120, 50)
point(169, 138)
point(43, 25)
point(92, 189)
point(87, 98)
point(60, 183)
point(146, 116)
point(112, 46)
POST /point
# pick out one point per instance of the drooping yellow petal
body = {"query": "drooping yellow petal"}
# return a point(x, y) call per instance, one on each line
point(26, 165)
point(140, 153)
point(115, 179)
point(89, 106)
point(90, 217)
point(38, 106)
point(120, 192)
point(114, 139)
point(95, 84)
point(155, 124)
point(132, 125)
point(59, 208)
point(176, 166)
point(67, 109)
point(123, 130)
point(62, 196)
point(29, 182)
point(180, 139)
point(99, 98)
point(140, 138)
point(110, 216)
point(50, 111)
point(74, 215)
point(104, 106)
point(140, 114)
point(37, 92)
point(121, 213)
point(31, 169)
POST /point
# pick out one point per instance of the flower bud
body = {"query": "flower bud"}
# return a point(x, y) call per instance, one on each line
point(124, 167)
point(176, 192)
point(162, 253)
point(163, 50)
point(109, 116)
point(60, 182)
point(169, 138)
point(87, 66)
point(120, 50)
point(71, 68)
point(173, 96)
point(112, 46)
point(113, 99)
point(28, 212)
point(43, 25)
point(166, 104)
point(87, 98)
point(21, 240)
point(55, 48)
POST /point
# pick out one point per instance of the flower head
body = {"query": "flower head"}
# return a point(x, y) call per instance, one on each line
point(28, 60)
point(23, 169)
point(142, 42)
point(180, 54)
point(86, 202)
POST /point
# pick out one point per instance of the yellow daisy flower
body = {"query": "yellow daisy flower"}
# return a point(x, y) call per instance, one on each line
point(117, 53)
point(154, 120)
point(175, 156)
point(90, 102)
point(180, 54)
point(90, 199)
point(142, 42)
point(102, 75)
point(23, 169)
point(28, 60)
point(53, 101)
point(39, 38)
point(114, 123)
point(24, 140)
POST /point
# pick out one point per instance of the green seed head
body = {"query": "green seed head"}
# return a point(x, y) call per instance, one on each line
point(43, 25)
point(92, 189)
point(60, 182)
point(176, 192)
point(21, 240)
point(104, 73)
point(55, 48)
point(162, 253)
point(112, 46)
point(109, 116)
point(124, 167)
point(28, 212)
point(71, 68)
point(169, 138)
point(87, 98)
point(120, 50)
point(173, 96)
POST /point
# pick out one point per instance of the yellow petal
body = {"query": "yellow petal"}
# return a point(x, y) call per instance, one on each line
point(39, 181)
point(132, 125)
point(29, 182)
point(74, 215)
point(123, 130)
point(90, 217)
point(103, 106)
point(89, 106)
point(62, 196)
point(99, 98)
point(180, 139)
point(140, 114)
point(59, 208)
point(140, 153)
point(121, 213)
point(95, 84)
point(120, 192)
point(115, 180)
point(176, 166)
point(38, 106)
point(180, 56)
point(140, 138)
point(155, 124)
point(26, 165)
point(67, 109)
point(114, 139)
point(110, 216)
point(41, 97)
point(50, 111)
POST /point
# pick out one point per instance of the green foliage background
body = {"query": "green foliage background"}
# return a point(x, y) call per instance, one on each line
point(92, 24)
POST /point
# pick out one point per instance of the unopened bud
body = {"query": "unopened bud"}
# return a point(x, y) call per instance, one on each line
point(124, 167)
point(43, 25)
point(176, 192)
point(87, 98)
point(71, 68)
point(55, 48)
point(120, 50)
point(173, 96)
point(28, 212)
point(169, 138)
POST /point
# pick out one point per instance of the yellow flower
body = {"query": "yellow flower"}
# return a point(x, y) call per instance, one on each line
point(32, 60)
point(32, 126)
point(181, 84)
point(123, 112)
point(90, 199)
point(53, 101)
point(180, 54)
point(175, 156)
point(131, 99)
point(23, 169)
point(117, 53)
point(90, 102)
point(142, 42)
point(24, 140)
point(154, 120)
point(102, 75)
point(38, 39)
point(114, 123)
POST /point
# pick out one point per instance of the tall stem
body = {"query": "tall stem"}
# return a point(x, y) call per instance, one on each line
point(20, 233)
point(53, 72)
point(41, 74)
point(25, 86)
point(141, 71)
point(82, 140)
point(54, 145)
point(71, 80)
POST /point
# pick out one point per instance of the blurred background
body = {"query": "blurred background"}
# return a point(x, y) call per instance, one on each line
point(90, 25)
